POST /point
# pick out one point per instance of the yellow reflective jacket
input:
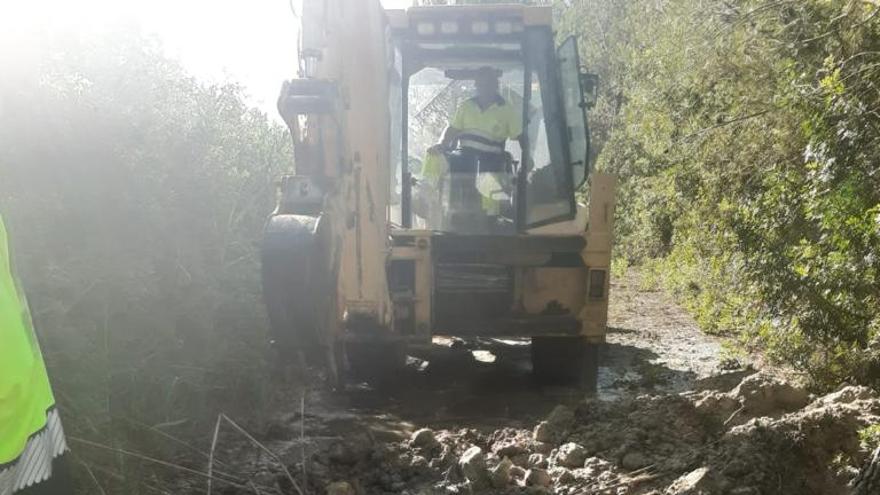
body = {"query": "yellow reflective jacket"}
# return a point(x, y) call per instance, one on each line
point(487, 129)
point(30, 431)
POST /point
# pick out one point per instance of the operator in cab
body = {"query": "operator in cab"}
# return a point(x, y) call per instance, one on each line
point(485, 122)
point(481, 127)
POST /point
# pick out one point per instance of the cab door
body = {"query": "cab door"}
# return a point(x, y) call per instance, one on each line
point(546, 173)
point(575, 106)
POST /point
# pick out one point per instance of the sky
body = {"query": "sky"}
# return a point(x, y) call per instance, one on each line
point(252, 42)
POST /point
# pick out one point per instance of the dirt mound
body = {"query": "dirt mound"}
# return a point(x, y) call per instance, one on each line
point(764, 436)
point(674, 419)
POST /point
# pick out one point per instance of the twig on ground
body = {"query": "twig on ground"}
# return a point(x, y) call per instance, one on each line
point(266, 450)
point(172, 438)
point(92, 475)
point(734, 415)
point(237, 483)
point(638, 479)
point(254, 488)
point(302, 436)
point(211, 453)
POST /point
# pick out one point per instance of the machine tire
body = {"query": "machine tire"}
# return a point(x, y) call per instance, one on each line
point(566, 361)
point(375, 361)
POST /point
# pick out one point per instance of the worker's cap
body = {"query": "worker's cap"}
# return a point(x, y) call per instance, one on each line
point(487, 73)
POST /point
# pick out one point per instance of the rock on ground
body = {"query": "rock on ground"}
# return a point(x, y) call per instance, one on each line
point(571, 455)
point(423, 438)
point(473, 466)
point(693, 483)
point(538, 477)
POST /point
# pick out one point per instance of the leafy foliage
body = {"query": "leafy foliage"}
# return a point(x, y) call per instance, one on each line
point(135, 198)
point(746, 138)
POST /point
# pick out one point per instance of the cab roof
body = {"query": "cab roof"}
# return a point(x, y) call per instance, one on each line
point(405, 19)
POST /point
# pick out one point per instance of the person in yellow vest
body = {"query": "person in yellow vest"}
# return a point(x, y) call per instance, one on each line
point(481, 127)
point(32, 443)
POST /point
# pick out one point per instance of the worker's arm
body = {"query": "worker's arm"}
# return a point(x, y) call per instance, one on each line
point(450, 135)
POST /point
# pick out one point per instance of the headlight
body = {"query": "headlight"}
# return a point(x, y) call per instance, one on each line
point(503, 27)
point(448, 27)
point(425, 28)
point(480, 27)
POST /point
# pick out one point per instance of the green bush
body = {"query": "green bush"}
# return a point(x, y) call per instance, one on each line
point(746, 138)
point(135, 198)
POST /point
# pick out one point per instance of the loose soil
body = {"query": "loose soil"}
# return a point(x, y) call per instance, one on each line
point(671, 416)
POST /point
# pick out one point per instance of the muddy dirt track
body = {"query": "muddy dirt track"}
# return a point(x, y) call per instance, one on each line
point(670, 417)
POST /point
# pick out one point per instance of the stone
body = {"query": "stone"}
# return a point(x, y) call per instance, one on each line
point(473, 466)
point(542, 447)
point(538, 477)
point(423, 438)
point(571, 455)
point(562, 476)
point(594, 466)
point(561, 416)
point(340, 488)
point(554, 427)
point(634, 460)
point(516, 473)
point(538, 461)
point(500, 474)
point(693, 483)
point(544, 432)
point(510, 449)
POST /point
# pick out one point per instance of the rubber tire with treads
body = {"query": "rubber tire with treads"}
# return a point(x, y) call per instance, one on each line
point(375, 361)
point(566, 361)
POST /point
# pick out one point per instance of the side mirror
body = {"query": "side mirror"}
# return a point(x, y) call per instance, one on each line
point(590, 88)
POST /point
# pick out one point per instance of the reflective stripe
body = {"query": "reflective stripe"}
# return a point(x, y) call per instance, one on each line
point(34, 465)
point(479, 146)
point(481, 137)
point(30, 432)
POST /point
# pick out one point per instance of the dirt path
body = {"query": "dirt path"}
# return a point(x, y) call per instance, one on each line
point(653, 344)
point(471, 419)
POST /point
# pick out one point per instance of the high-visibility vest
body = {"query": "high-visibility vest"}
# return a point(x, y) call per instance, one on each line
point(487, 129)
point(31, 436)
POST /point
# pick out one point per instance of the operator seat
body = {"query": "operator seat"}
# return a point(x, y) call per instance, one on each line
point(465, 205)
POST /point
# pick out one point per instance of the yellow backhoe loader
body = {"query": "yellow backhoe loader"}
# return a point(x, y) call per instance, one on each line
point(363, 260)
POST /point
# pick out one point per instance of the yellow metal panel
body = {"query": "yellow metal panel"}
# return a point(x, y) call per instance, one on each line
point(356, 60)
point(420, 252)
point(597, 253)
point(545, 286)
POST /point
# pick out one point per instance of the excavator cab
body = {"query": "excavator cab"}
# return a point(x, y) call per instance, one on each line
point(418, 245)
point(440, 53)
